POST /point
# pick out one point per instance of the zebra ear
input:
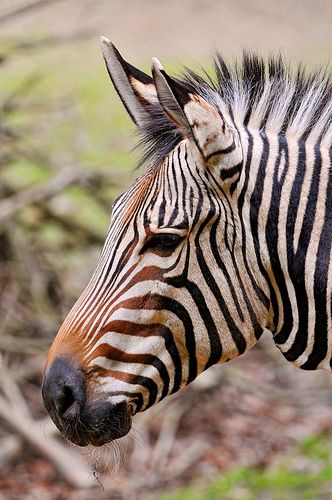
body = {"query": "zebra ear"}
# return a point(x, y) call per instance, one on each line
point(215, 137)
point(135, 89)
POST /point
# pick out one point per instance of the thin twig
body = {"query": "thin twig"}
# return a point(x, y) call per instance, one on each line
point(9, 446)
point(167, 433)
point(36, 194)
point(52, 41)
point(71, 467)
point(189, 455)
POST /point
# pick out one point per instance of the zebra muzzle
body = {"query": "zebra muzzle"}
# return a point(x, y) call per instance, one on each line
point(81, 421)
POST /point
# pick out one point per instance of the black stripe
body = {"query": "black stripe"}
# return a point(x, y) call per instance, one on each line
point(114, 354)
point(320, 346)
point(271, 236)
point(297, 260)
point(136, 397)
point(159, 303)
point(121, 326)
point(146, 382)
point(241, 201)
point(215, 343)
point(220, 152)
point(228, 173)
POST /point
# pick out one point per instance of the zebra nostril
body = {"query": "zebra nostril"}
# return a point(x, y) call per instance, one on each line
point(64, 391)
point(65, 402)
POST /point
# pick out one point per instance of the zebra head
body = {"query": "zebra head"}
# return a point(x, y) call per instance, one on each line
point(173, 291)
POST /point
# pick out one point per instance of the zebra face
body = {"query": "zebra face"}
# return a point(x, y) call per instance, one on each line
point(166, 299)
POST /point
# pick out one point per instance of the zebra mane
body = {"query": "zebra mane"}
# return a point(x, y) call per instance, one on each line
point(268, 95)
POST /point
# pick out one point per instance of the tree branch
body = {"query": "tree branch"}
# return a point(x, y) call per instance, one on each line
point(36, 194)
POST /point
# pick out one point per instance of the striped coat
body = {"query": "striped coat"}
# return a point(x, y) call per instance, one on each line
point(226, 233)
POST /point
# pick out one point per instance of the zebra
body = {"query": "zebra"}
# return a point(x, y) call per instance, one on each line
point(226, 233)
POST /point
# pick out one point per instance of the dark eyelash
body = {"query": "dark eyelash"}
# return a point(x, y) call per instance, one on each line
point(162, 241)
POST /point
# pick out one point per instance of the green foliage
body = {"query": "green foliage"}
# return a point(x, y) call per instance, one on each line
point(306, 475)
point(71, 111)
point(56, 114)
point(58, 110)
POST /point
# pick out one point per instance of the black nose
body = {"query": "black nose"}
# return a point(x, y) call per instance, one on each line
point(64, 392)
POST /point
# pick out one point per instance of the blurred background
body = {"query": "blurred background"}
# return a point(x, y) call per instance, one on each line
point(254, 429)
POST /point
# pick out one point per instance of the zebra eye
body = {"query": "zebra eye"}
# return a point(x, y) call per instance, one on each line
point(163, 241)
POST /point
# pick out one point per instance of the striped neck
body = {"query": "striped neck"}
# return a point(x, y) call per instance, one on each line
point(290, 223)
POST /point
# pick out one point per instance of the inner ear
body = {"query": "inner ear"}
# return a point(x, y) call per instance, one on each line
point(135, 88)
point(146, 92)
point(211, 129)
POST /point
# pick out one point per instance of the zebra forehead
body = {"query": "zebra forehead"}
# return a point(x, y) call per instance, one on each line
point(129, 201)
point(156, 180)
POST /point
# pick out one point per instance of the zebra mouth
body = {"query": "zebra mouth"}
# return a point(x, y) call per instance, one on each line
point(97, 424)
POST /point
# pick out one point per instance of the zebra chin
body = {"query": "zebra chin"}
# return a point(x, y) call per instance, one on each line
point(98, 424)
point(83, 422)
